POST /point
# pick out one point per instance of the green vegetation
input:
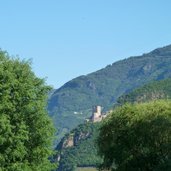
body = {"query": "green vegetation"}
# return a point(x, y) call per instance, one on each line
point(86, 169)
point(151, 91)
point(26, 131)
point(137, 137)
point(83, 153)
point(72, 103)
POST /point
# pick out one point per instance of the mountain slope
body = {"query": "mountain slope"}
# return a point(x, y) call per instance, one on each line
point(152, 91)
point(78, 148)
point(72, 103)
point(83, 151)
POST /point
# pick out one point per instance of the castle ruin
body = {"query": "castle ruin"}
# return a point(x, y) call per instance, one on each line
point(97, 114)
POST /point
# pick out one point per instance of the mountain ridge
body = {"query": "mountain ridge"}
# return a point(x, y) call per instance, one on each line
point(71, 104)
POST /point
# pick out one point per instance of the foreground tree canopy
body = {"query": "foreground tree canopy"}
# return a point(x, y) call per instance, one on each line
point(25, 129)
point(137, 138)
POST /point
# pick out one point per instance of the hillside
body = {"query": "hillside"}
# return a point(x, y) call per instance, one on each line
point(82, 151)
point(78, 148)
point(72, 103)
point(152, 91)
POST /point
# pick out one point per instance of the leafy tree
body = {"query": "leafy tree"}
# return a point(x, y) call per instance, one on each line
point(137, 138)
point(25, 129)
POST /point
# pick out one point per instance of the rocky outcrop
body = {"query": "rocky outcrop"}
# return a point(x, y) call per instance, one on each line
point(69, 142)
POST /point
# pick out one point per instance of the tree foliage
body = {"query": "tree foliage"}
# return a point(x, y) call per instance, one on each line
point(137, 137)
point(25, 129)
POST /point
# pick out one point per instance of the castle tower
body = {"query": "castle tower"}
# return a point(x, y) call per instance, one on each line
point(96, 113)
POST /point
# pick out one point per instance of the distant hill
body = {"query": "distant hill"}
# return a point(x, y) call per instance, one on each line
point(152, 91)
point(72, 103)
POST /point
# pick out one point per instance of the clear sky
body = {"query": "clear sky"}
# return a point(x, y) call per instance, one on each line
point(68, 38)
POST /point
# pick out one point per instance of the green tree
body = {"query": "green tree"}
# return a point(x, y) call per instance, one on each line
point(137, 138)
point(26, 131)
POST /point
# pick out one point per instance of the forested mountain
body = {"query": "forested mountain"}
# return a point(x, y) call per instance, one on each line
point(152, 91)
point(79, 148)
point(72, 103)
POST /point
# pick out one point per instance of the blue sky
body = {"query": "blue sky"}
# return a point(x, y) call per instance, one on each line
point(68, 38)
